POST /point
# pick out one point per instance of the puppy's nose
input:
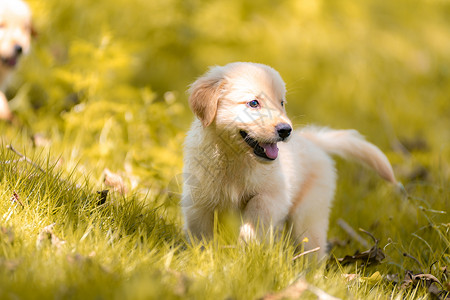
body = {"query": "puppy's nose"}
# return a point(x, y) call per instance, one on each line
point(18, 49)
point(283, 130)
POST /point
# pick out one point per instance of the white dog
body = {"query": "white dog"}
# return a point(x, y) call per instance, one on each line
point(15, 35)
point(238, 157)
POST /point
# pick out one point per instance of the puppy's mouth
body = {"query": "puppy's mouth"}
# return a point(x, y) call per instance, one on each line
point(267, 151)
point(10, 62)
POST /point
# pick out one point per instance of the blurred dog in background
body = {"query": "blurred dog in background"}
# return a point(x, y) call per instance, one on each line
point(15, 38)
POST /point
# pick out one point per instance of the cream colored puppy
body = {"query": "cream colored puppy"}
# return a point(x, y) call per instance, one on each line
point(241, 154)
point(15, 35)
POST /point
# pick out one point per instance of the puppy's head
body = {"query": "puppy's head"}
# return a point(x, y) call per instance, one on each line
point(15, 32)
point(244, 102)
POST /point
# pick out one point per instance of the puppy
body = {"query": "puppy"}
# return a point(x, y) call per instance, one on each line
point(15, 35)
point(241, 154)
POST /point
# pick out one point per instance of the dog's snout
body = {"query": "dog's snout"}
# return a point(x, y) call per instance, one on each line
point(18, 49)
point(283, 130)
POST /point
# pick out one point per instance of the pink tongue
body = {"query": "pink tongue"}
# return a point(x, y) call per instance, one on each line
point(271, 150)
point(12, 62)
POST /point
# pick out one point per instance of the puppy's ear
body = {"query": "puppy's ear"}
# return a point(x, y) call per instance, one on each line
point(204, 96)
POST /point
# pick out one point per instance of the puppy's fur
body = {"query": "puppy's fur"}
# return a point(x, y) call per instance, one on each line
point(15, 35)
point(232, 162)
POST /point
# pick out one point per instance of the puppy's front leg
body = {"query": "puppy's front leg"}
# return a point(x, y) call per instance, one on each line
point(5, 112)
point(261, 212)
point(199, 221)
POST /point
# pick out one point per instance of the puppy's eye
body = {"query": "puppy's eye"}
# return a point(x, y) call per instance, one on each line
point(282, 103)
point(253, 104)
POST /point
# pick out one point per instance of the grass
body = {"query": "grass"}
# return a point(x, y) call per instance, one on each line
point(132, 247)
point(113, 96)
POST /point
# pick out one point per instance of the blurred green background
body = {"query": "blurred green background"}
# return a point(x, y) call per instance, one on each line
point(111, 76)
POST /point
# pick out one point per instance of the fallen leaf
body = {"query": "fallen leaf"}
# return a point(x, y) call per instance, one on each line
point(46, 237)
point(372, 256)
point(427, 278)
point(374, 278)
point(115, 181)
point(7, 235)
point(428, 281)
point(295, 291)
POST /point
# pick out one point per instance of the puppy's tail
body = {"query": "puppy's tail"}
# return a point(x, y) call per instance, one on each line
point(350, 144)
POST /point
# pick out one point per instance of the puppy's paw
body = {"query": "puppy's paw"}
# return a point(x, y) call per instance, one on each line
point(247, 233)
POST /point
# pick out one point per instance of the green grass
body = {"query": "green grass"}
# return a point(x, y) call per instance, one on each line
point(132, 246)
point(106, 93)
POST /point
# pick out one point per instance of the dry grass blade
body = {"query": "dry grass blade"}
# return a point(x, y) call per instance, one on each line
point(10, 147)
point(413, 258)
point(305, 252)
point(15, 198)
point(352, 233)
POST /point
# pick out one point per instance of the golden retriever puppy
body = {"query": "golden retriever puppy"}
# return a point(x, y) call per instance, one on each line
point(15, 35)
point(241, 154)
